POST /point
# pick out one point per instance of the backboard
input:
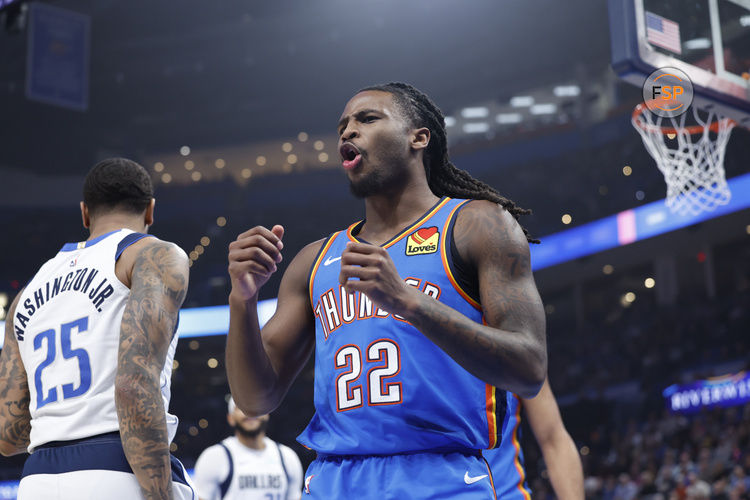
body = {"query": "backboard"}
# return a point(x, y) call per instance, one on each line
point(709, 40)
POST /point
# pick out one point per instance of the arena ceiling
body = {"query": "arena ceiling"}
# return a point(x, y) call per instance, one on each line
point(207, 74)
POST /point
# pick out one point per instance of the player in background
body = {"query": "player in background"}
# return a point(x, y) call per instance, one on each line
point(248, 465)
point(417, 314)
point(559, 451)
point(89, 342)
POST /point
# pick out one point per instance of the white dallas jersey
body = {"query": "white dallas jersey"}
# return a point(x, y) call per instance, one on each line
point(67, 324)
point(273, 473)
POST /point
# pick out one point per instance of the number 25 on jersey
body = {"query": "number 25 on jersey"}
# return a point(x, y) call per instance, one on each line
point(84, 366)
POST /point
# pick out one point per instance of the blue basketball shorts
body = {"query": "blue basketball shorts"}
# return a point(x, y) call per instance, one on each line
point(418, 476)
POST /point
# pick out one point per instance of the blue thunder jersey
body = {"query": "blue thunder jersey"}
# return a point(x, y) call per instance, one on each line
point(506, 461)
point(381, 386)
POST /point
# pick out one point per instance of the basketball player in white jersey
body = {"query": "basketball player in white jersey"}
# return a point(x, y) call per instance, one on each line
point(248, 465)
point(85, 369)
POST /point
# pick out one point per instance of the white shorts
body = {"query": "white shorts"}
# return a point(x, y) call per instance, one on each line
point(89, 469)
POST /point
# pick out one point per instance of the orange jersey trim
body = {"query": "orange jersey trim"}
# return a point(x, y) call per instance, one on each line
point(444, 258)
point(316, 265)
point(516, 460)
point(406, 231)
point(491, 405)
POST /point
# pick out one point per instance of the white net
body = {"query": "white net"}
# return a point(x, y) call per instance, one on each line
point(691, 157)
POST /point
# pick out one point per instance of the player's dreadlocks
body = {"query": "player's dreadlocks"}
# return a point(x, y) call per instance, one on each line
point(443, 177)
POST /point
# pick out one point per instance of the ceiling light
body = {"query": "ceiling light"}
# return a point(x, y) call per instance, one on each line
point(543, 109)
point(521, 101)
point(476, 128)
point(475, 112)
point(567, 91)
point(509, 118)
point(697, 43)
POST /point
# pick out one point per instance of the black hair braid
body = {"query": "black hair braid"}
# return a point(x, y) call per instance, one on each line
point(443, 177)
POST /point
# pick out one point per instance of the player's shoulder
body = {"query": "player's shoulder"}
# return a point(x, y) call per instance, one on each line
point(150, 243)
point(310, 251)
point(213, 453)
point(302, 262)
point(487, 222)
point(162, 253)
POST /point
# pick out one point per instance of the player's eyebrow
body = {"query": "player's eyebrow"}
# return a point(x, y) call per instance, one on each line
point(358, 114)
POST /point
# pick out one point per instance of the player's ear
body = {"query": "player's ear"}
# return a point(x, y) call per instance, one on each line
point(85, 218)
point(230, 420)
point(149, 216)
point(420, 138)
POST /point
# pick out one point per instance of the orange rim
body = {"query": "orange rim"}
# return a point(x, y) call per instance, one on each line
point(691, 129)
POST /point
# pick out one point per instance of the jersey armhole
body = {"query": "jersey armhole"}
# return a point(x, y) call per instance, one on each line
point(127, 241)
point(465, 273)
point(286, 472)
point(316, 263)
point(224, 486)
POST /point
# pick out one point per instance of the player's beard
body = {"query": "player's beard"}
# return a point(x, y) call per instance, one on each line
point(378, 182)
point(253, 433)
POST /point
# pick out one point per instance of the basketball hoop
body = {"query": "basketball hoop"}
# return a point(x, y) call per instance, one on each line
point(691, 157)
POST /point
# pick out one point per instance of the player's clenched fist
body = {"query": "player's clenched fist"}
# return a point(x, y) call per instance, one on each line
point(376, 275)
point(252, 259)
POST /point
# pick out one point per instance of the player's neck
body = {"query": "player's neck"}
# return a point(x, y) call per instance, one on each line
point(391, 212)
point(110, 223)
point(255, 442)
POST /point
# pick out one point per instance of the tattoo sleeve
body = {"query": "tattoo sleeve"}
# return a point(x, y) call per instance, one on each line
point(158, 287)
point(15, 421)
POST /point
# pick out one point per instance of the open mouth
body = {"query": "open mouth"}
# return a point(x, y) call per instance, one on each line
point(350, 155)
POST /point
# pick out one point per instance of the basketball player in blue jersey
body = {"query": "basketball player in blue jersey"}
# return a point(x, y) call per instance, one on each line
point(416, 314)
point(559, 451)
point(87, 359)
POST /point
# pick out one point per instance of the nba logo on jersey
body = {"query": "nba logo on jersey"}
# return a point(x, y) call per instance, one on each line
point(423, 241)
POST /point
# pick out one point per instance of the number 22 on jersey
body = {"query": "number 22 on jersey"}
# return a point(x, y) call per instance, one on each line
point(84, 365)
point(384, 354)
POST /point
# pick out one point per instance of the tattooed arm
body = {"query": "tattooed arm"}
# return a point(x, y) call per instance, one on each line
point(509, 351)
point(15, 421)
point(158, 279)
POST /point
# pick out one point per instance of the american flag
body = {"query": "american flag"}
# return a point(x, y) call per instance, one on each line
point(663, 32)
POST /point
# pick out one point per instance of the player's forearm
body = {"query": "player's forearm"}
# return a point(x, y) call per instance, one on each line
point(515, 361)
point(14, 430)
point(564, 468)
point(252, 379)
point(15, 420)
point(143, 430)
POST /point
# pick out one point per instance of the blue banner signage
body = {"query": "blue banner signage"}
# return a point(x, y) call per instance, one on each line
point(628, 227)
point(725, 391)
point(57, 66)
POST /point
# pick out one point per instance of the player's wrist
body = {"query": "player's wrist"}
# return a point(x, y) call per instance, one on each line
point(238, 299)
point(411, 303)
